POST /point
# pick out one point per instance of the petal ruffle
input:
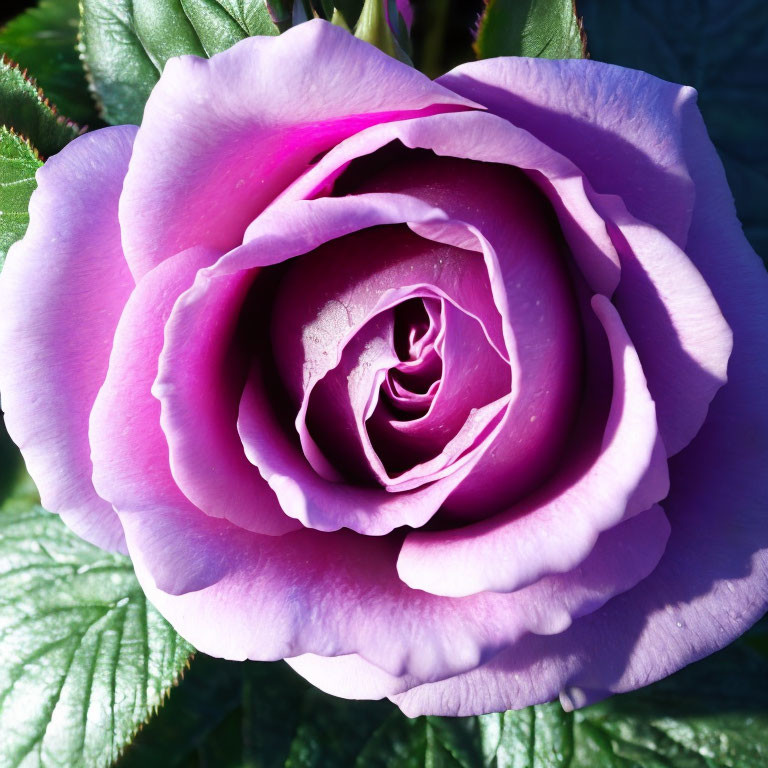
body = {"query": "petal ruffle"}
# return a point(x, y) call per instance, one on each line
point(129, 449)
point(334, 594)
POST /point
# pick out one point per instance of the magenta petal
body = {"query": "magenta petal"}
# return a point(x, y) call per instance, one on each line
point(621, 127)
point(316, 501)
point(221, 137)
point(130, 452)
point(629, 475)
point(61, 292)
point(328, 293)
point(352, 676)
point(336, 594)
point(340, 403)
point(433, 441)
point(283, 232)
point(486, 138)
point(199, 383)
point(320, 306)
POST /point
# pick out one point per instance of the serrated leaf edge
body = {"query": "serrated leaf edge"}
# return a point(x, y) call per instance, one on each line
point(43, 100)
point(582, 31)
point(152, 711)
point(21, 137)
point(482, 15)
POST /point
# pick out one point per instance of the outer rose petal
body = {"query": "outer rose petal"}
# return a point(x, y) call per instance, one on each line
point(221, 137)
point(712, 582)
point(130, 452)
point(61, 294)
point(338, 593)
point(353, 677)
point(622, 127)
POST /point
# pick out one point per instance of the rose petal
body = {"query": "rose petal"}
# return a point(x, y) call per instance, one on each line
point(321, 304)
point(425, 443)
point(282, 233)
point(326, 296)
point(712, 583)
point(62, 290)
point(200, 378)
point(130, 452)
point(486, 138)
point(335, 594)
point(560, 524)
point(222, 136)
point(621, 127)
point(676, 326)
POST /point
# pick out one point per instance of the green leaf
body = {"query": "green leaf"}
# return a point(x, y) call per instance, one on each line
point(24, 108)
point(125, 43)
point(722, 50)
point(84, 659)
point(547, 29)
point(18, 164)
point(43, 40)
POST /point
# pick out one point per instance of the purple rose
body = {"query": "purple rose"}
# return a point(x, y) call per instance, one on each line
point(452, 392)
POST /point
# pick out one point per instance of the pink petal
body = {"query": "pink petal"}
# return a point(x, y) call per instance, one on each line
point(61, 292)
point(483, 137)
point(130, 452)
point(561, 523)
point(621, 127)
point(200, 378)
point(334, 594)
point(221, 137)
point(284, 232)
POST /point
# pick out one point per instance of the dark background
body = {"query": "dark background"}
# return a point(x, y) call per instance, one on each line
point(11, 8)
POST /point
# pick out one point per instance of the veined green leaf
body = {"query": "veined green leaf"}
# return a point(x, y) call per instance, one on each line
point(125, 43)
point(546, 29)
point(84, 659)
point(25, 109)
point(18, 164)
point(43, 40)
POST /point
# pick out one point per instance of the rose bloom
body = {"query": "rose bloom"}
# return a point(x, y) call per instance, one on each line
point(451, 392)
